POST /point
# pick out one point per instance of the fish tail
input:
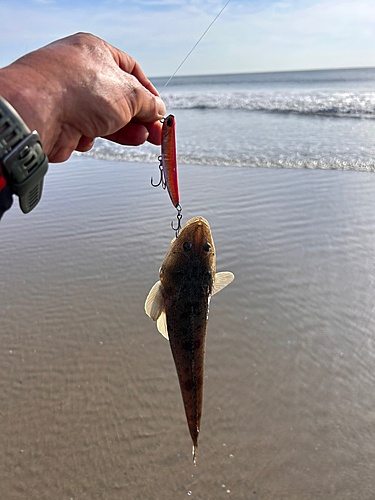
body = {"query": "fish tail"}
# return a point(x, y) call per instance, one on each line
point(195, 451)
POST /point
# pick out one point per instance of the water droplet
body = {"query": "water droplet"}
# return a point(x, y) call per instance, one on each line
point(190, 493)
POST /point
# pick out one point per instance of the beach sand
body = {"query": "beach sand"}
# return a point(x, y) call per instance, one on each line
point(90, 407)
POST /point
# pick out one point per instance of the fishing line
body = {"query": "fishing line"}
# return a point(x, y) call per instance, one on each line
point(168, 171)
point(196, 44)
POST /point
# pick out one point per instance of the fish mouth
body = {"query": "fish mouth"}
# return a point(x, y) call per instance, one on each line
point(197, 220)
point(196, 230)
point(196, 234)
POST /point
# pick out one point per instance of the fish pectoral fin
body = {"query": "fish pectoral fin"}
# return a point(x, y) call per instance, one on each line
point(222, 280)
point(154, 304)
point(162, 325)
point(154, 307)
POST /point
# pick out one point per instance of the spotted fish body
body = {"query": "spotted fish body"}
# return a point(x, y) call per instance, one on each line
point(179, 302)
point(169, 158)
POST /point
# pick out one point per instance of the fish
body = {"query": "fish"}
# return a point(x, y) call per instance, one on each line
point(179, 303)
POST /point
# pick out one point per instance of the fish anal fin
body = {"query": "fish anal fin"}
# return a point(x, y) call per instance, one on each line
point(222, 280)
point(154, 304)
point(162, 325)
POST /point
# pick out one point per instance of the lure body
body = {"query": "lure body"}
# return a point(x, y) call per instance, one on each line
point(169, 158)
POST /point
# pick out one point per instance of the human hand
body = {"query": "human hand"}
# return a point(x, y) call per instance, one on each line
point(79, 88)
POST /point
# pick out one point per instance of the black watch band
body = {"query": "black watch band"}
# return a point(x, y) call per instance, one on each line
point(22, 157)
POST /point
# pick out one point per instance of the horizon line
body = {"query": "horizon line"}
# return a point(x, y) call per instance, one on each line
point(266, 72)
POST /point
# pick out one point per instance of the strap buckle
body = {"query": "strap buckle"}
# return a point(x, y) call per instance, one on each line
point(25, 166)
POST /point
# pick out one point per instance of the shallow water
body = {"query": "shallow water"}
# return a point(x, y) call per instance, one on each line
point(302, 119)
point(90, 406)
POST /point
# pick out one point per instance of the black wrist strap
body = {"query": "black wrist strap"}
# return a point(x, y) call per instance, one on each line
point(23, 160)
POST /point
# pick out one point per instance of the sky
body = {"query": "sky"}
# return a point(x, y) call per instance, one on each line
point(249, 36)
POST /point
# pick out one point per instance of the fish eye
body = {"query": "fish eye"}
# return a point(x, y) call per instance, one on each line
point(187, 246)
point(206, 247)
point(170, 122)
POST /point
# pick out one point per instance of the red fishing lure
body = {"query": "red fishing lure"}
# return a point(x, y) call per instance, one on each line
point(169, 158)
point(168, 166)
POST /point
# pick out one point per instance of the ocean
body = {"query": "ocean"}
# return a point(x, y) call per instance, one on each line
point(303, 119)
point(281, 165)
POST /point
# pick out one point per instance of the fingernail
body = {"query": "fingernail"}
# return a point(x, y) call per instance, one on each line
point(161, 107)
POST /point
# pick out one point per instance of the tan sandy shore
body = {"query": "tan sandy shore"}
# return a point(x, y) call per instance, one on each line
point(90, 407)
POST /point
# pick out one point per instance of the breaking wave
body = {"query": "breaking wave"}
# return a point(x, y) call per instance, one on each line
point(337, 104)
point(147, 153)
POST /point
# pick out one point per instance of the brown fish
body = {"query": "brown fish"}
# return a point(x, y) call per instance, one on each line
point(179, 303)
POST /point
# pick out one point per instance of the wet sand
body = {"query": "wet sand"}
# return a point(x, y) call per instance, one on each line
point(90, 407)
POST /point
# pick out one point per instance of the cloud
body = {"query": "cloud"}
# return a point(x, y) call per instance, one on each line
point(45, 1)
point(249, 36)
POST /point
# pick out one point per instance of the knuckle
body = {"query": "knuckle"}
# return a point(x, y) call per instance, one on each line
point(83, 38)
point(86, 42)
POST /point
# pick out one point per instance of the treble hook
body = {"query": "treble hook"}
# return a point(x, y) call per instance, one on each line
point(162, 179)
point(179, 217)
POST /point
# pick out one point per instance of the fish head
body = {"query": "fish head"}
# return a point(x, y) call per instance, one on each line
point(193, 244)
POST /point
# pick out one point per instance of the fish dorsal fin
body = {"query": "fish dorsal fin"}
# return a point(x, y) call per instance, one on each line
point(222, 280)
point(154, 304)
point(162, 325)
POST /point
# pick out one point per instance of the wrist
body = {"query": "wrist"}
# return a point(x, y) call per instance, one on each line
point(30, 95)
point(23, 161)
